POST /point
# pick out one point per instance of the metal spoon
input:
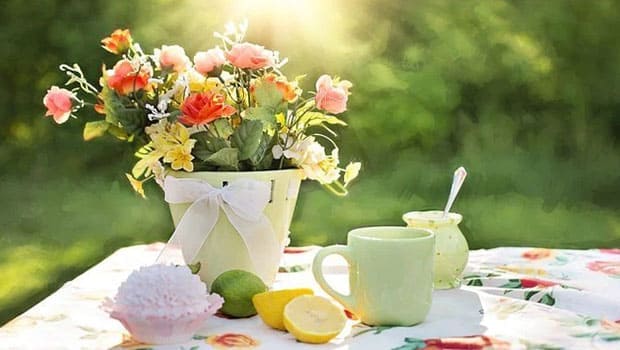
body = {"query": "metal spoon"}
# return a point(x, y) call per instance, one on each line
point(457, 182)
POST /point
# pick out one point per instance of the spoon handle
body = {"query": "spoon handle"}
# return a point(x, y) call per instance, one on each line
point(457, 182)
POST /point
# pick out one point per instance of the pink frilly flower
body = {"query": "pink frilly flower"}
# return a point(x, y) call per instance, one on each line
point(252, 56)
point(172, 57)
point(58, 103)
point(162, 304)
point(332, 96)
point(207, 61)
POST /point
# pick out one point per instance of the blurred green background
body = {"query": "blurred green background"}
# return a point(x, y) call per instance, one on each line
point(524, 94)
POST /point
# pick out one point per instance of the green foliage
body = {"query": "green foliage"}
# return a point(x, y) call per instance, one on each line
point(225, 159)
point(222, 128)
point(130, 120)
point(247, 137)
point(207, 144)
point(269, 100)
point(267, 95)
point(316, 119)
point(264, 114)
point(262, 159)
point(95, 129)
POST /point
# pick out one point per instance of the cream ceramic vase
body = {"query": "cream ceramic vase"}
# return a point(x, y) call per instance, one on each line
point(451, 249)
point(224, 248)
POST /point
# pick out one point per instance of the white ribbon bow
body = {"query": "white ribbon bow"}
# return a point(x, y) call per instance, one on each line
point(243, 201)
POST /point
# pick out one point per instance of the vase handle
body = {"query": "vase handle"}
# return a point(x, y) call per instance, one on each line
point(349, 301)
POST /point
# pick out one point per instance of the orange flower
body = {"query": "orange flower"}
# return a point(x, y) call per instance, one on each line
point(289, 91)
point(118, 42)
point(203, 108)
point(537, 254)
point(124, 79)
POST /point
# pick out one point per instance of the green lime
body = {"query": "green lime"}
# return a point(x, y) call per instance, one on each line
point(237, 287)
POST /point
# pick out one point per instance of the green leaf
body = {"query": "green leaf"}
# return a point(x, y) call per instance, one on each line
point(262, 159)
point(547, 299)
point(584, 335)
point(118, 132)
point(226, 158)
point(530, 294)
point(475, 282)
point(247, 138)
point(222, 127)
point(591, 322)
point(512, 283)
point(268, 95)
point(95, 129)
point(207, 144)
point(317, 118)
point(132, 120)
point(263, 114)
point(195, 268)
point(112, 104)
point(305, 108)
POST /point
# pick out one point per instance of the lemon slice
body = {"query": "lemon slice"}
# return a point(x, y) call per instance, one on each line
point(313, 319)
point(270, 305)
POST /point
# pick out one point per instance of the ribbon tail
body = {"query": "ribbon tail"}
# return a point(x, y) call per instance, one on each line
point(259, 237)
point(191, 232)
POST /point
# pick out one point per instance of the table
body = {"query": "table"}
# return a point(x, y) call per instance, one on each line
point(511, 298)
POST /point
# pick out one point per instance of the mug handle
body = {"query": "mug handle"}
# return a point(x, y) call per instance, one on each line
point(317, 270)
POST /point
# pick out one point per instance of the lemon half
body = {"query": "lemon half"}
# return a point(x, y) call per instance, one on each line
point(270, 305)
point(313, 319)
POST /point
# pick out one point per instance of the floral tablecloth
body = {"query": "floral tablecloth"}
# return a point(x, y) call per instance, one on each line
point(511, 298)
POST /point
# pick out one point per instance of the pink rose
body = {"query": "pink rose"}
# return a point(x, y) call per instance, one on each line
point(58, 103)
point(173, 57)
point(332, 97)
point(205, 62)
point(246, 55)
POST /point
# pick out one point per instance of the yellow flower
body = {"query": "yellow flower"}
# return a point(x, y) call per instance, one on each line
point(180, 157)
point(281, 120)
point(165, 135)
point(136, 184)
point(147, 165)
point(179, 132)
point(198, 83)
point(351, 172)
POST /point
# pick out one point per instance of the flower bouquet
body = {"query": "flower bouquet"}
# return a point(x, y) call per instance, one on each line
point(198, 125)
point(232, 109)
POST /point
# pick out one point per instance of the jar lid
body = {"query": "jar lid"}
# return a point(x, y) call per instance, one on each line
point(431, 217)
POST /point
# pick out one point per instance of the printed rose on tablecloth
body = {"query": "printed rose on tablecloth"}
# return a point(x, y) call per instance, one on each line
point(536, 283)
point(229, 341)
point(537, 254)
point(470, 342)
point(610, 268)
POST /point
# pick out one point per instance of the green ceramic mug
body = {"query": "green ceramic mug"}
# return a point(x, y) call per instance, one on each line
point(390, 274)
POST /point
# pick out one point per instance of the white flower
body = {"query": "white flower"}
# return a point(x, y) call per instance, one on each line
point(155, 113)
point(293, 150)
point(310, 156)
